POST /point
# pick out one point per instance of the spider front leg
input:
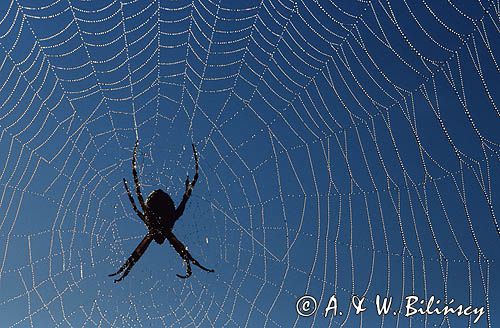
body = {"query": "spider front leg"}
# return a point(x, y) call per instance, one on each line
point(136, 178)
point(189, 187)
point(132, 201)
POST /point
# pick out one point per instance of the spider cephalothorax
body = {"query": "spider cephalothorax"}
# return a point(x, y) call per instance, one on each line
point(159, 214)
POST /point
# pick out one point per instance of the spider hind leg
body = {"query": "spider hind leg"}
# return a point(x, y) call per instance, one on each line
point(189, 272)
point(186, 256)
point(136, 255)
point(195, 262)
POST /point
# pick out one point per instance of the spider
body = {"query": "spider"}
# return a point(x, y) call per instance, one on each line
point(159, 214)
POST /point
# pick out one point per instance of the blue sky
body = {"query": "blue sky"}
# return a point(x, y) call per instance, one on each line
point(346, 148)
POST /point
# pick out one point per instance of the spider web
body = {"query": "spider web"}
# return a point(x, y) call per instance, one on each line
point(346, 147)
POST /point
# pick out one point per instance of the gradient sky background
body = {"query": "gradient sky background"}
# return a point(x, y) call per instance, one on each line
point(346, 147)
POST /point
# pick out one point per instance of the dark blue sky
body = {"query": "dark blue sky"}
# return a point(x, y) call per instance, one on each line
point(346, 147)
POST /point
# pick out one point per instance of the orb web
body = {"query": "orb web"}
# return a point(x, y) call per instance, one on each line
point(346, 148)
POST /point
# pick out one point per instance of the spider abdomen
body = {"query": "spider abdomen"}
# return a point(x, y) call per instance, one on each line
point(160, 214)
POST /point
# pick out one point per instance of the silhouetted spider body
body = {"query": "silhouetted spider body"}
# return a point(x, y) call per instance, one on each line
point(162, 214)
point(159, 214)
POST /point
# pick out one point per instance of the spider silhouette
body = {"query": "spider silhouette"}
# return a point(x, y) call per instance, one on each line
point(159, 214)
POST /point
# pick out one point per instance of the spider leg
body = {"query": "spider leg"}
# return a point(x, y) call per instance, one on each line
point(189, 186)
point(136, 255)
point(132, 201)
point(198, 264)
point(188, 271)
point(136, 178)
point(186, 256)
point(195, 178)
